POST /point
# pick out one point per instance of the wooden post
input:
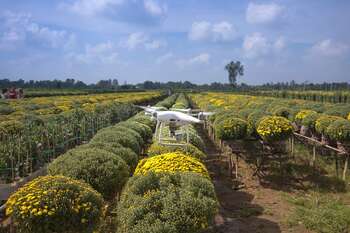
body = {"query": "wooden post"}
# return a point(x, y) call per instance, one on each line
point(345, 166)
point(313, 155)
point(237, 160)
point(230, 165)
point(293, 147)
point(336, 165)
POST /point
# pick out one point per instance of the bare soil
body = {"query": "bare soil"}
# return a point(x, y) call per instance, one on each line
point(246, 205)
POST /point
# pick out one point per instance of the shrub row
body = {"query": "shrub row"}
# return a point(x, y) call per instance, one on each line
point(108, 160)
point(60, 203)
point(45, 137)
point(241, 116)
point(168, 193)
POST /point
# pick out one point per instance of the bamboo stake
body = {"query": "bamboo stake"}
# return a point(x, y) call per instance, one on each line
point(345, 166)
point(313, 156)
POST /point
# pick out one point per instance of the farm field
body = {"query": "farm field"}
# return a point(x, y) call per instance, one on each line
point(36, 130)
point(319, 96)
point(254, 164)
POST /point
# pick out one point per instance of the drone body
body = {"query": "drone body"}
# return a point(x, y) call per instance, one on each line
point(174, 118)
point(178, 118)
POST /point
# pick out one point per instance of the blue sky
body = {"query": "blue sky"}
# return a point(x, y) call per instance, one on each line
point(168, 40)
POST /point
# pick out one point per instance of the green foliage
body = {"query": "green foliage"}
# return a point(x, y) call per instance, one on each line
point(234, 69)
point(253, 121)
point(111, 135)
point(275, 128)
point(323, 122)
point(196, 140)
point(302, 114)
point(321, 214)
point(163, 203)
point(231, 128)
point(189, 149)
point(104, 171)
point(128, 155)
point(142, 118)
point(6, 109)
point(130, 131)
point(55, 204)
point(310, 120)
point(244, 113)
point(144, 130)
point(217, 118)
point(11, 127)
point(282, 111)
point(171, 162)
point(168, 102)
point(339, 130)
point(338, 110)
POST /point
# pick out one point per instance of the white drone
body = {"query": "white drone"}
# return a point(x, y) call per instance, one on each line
point(174, 118)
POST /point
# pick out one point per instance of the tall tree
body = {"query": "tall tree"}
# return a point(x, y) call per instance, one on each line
point(234, 69)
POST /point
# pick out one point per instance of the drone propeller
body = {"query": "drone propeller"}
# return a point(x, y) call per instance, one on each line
point(187, 110)
point(149, 110)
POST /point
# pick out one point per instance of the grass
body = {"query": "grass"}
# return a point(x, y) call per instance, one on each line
point(321, 213)
point(322, 206)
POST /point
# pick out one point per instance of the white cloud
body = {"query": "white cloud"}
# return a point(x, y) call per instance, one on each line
point(202, 58)
point(263, 13)
point(329, 47)
point(223, 31)
point(103, 52)
point(18, 27)
point(141, 40)
point(164, 58)
point(154, 8)
point(91, 7)
point(279, 44)
point(135, 40)
point(257, 45)
point(203, 30)
point(155, 44)
point(200, 30)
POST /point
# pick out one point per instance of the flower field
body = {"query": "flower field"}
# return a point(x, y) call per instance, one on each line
point(121, 180)
point(33, 131)
point(320, 96)
point(105, 186)
point(275, 119)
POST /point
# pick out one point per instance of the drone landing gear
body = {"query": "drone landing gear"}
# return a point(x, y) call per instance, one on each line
point(174, 138)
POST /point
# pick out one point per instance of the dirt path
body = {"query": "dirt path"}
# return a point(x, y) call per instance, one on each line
point(249, 209)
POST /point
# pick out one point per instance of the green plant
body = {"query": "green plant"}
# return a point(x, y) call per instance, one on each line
point(104, 171)
point(111, 135)
point(188, 149)
point(302, 114)
point(195, 139)
point(55, 204)
point(310, 120)
point(323, 122)
point(6, 109)
point(127, 130)
point(282, 111)
point(253, 122)
point(339, 130)
point(321, 214)
point(171, 162)
point(275, 128)
point(142, 118)
point(159, 203)
point(144, 130)
point(128, 155)
point(338, 110)
point(231, 128)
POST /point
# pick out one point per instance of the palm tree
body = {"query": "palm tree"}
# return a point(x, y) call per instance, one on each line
point(234, 69)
